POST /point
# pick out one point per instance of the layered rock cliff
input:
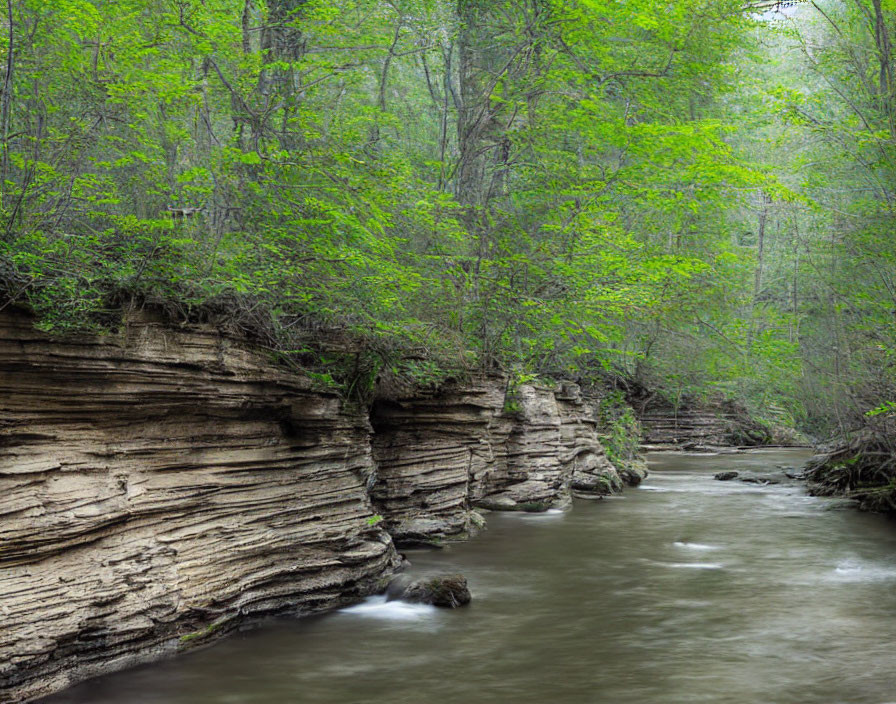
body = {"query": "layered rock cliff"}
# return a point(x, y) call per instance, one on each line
point(160, 486)
point(687, 426)
point(435, 453)
point(712, 425)
point(444, 453)
point(694, 423)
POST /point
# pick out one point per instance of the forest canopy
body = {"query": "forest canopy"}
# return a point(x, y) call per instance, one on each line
point(695, 195)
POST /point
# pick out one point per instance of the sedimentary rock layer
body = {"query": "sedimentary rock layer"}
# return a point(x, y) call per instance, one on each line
point(435, 452)
point(158, 486)
point(584, 458)
point(443, 453)
point(686, 426)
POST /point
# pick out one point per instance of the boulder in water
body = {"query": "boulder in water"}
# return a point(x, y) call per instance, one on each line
point(726, 476)
point(633, 472)
point(763, 479)
point(448, 591)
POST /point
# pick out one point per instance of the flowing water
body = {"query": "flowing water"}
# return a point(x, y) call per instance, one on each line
point(685, 590)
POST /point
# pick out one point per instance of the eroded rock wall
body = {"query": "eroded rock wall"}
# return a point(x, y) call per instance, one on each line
point(712, 425)
point(666, 426)
point(590, 471)
point(435, 452)
point(705, 424)
point(442, 454)
point(530, 474)
point(159, 486)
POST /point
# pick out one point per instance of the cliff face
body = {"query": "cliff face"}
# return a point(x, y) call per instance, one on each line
point(591, 474)
point(444, 453)
point(156, 487)
point(714, 424)
point(666, 426)
point(160, 486)
point(435, 451)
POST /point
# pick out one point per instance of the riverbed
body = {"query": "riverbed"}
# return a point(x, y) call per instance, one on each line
point(686, 589)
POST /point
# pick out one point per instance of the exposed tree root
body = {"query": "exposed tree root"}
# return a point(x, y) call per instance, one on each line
point(863, 469)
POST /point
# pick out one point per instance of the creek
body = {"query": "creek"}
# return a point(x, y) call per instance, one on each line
point(687, 589)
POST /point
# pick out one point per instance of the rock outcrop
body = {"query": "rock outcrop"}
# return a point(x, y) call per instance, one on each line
point(698, 426)
point(530, 474)
point(684, 427)
point(444, 453)
point(435, 452)
point(706, 424)
point(160, 486)
point(590, 470)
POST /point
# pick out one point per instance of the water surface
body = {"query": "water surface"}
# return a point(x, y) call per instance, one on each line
point(685, 590)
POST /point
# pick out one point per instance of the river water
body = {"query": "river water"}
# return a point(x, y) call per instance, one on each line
point(684, 590)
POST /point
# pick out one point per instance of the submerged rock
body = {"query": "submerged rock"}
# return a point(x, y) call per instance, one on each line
point(446, 591)
point(634, 472)
point(763, 479)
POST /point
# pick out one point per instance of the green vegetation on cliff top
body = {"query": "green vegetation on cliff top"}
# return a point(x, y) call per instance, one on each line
point(698, 195)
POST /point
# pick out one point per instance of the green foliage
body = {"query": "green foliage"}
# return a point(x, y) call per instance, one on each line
point(412, 190)
point(621, 432)
point(885, 409)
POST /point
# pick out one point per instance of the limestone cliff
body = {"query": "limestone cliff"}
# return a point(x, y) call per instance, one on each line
point(158, 486)
point(698, 425)
point(443, 453)
point(687, 426)
point(435, 452)
point(161, 486)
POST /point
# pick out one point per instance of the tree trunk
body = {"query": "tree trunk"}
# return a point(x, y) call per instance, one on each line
point(765, 201)
point(6, 100)
point(885, 59)
point(282, 40)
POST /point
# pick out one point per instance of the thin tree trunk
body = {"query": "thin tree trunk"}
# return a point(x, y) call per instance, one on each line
point(760, 256)
point(6, 100)
point(885, 58)
point(795, 327)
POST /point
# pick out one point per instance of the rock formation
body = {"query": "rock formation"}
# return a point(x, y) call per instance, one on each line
point(710, 425)
point(161, 486)
point(434, 451)
point(443, 453)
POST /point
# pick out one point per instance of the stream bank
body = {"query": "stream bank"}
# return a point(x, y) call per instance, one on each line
point(686, 591)
point(163, 487)
point(861, 468)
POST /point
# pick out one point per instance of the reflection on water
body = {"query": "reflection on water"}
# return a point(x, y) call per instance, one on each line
point(688, 590)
